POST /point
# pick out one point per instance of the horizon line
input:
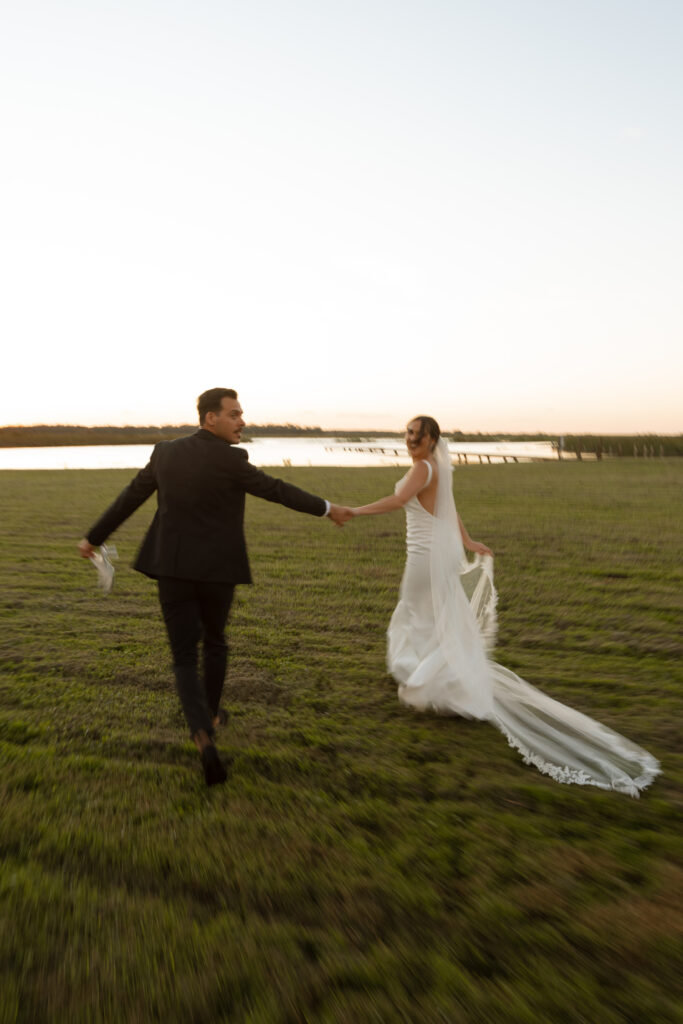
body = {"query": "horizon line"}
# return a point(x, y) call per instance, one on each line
point(337, 430)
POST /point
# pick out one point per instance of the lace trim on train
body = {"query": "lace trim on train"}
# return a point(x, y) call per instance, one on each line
point(578, 777)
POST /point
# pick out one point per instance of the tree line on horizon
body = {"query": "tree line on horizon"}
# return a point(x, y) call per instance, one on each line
point(52, 435)
point(66, 435)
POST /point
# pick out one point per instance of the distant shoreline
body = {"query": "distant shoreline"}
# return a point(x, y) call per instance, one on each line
point(68, 435)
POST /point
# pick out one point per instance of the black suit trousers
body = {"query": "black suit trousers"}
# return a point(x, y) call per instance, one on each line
point(197, 612)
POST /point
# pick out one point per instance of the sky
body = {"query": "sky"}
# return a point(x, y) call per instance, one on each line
point(352, 213)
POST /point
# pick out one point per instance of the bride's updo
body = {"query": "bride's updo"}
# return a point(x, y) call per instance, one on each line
point(428, 425)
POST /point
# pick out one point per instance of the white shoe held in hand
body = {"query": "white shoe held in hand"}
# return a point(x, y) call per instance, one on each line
point(105, 570)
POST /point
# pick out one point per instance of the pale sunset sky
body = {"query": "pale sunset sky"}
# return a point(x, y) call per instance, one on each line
point(350, 212)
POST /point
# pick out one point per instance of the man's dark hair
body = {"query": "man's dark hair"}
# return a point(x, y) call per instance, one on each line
point(428, 425)
point(210, 401)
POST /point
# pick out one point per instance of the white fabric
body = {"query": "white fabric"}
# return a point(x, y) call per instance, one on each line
point(438, 642)
point(101, 560)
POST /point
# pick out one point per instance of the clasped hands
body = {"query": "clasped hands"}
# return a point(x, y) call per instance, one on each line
point(340, 514)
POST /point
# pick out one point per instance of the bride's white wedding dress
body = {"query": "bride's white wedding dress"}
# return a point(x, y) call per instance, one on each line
point(438, 642)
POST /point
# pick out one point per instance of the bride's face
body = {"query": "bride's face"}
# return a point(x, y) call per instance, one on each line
point(418, 441)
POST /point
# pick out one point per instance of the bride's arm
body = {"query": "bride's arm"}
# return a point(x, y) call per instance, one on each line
point(472, 545)
point(412, 485)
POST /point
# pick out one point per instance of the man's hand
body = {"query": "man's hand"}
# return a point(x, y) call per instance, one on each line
point(85, 548)
point(339, 514)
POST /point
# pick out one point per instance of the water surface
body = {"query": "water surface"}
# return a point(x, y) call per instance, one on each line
point(271, 451)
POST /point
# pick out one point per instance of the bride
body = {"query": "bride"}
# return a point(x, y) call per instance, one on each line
point(444, 626)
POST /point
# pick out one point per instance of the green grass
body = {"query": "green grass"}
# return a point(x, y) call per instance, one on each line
point(364, 863)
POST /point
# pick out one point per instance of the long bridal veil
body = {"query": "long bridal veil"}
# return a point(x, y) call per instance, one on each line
point(559, 741)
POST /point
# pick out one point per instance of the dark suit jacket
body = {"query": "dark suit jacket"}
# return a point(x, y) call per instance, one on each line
point(198, 530)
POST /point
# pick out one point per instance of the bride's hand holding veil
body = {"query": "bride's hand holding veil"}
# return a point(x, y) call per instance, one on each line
point(475, 546)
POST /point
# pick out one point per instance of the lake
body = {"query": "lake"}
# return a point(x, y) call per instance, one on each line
point(274, 451)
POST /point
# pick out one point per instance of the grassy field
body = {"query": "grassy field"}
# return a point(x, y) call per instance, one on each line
point(363, 863)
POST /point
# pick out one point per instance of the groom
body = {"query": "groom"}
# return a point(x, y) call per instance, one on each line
point(195, 549)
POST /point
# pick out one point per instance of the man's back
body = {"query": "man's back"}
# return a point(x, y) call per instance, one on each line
point(198, 530)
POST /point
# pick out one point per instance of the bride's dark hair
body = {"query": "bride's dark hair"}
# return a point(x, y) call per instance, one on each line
point(428, 425)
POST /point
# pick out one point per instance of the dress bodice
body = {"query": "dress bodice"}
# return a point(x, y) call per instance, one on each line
point(419, 522)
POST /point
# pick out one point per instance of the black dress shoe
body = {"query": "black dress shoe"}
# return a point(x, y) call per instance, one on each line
point(214, 769)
